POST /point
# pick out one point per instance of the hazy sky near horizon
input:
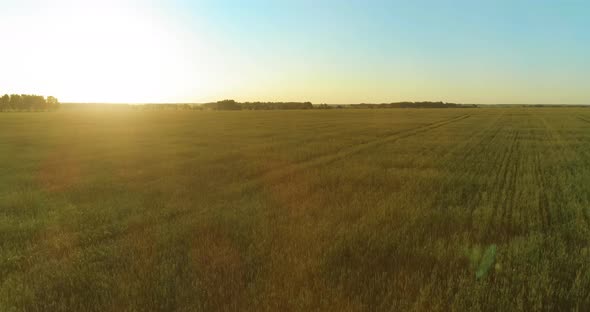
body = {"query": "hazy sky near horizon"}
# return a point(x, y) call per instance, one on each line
point(502, 51)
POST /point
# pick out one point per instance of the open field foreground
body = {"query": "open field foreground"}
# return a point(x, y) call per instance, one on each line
point(342, 210)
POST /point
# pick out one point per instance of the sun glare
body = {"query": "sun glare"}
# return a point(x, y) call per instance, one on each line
point(108, 53)
point(119, 58)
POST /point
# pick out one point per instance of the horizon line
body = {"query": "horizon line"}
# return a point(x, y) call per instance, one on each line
point(369, 103)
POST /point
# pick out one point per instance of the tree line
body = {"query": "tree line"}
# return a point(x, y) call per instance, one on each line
point(27, 102)
point(232, 105)
point(414, 105)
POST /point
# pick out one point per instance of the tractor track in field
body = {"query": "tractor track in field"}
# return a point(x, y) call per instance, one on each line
point(505, 161)
point(560, 192)
point(503, 186)
point(482, 171)
point(544, 211)
point(351, 150)
point(510, 186)
point(503, 169)
point(466, 164)
point(569, 154)
point(172, 216)
point(487, 148)
point(497, 184)
point(544, 203)
point(468, 153)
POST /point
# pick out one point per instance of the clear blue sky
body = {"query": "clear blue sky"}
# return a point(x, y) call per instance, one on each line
point(326, 51)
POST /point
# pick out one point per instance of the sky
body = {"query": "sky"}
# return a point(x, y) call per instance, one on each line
point(331, 51)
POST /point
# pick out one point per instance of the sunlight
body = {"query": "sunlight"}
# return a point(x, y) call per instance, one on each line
point(108, 53)
point(124, 58)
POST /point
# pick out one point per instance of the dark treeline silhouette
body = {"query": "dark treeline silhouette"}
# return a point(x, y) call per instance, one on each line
point(27, 102)
point(276, 105)
point(540, 105)
point(222, 105)
point(233, 105)
point(229, 105)
point(413, 105)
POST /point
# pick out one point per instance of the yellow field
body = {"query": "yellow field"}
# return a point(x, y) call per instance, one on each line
point(399, 209)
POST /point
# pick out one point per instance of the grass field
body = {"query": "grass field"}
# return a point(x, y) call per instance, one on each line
point(343, 210)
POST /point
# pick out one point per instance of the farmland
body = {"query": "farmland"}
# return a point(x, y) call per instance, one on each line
point(403, 209)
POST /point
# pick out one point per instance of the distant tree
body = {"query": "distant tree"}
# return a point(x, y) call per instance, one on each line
point(5, 102)
point(27, 102)
point(30, 102)
point(228, 105)
point(411, 105)
point(16, 102)
point(38, 103)
point(52, 103)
